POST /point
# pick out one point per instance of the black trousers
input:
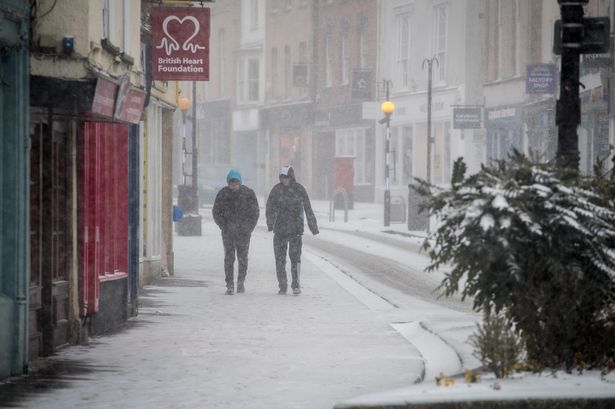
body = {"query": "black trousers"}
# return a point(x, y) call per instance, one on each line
point(293, 245)
point(235, 244)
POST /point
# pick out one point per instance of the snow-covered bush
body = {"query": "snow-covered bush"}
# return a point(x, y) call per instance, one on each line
point(524, 238)
point(496, 345)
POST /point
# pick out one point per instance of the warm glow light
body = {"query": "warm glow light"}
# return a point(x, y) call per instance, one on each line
point(183, 103)
point(387, 107)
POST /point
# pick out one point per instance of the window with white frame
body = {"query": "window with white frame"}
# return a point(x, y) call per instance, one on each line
point(440, 40)
point(253, 79)
point(254, 23)
point(116, 23)
point(287, 71)
point(274, 73)
point(106, 19)
point(516, 38)
point(248, 80)
point(351, 142)
point(404, 43)
point(303, 59)
point(345, 58)
point(603, 8)
point(127, 23)
point(303, 52)
point(328, 62)
point(498, 40)
point(362, 49)
point(275, 6)
point(241, 81)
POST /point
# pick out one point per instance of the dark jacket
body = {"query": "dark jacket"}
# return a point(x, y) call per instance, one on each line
point(287, 207)
point(236, 212)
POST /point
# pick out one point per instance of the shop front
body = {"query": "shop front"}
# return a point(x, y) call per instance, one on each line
point(343, 132)
point(504, 126)
point(14, 169)
point(539, 119)
point(594, 129)
point(82, 133)
point(288, 128)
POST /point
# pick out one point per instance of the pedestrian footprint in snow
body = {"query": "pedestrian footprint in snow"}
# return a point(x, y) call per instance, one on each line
point(236, 212)
point(288, 205)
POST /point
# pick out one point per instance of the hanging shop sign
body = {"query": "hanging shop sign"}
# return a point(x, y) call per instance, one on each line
point(467, 118)
point(597, 60)
point(104, 97)
point(122, 93)
point(503, 117)
point(132, 106)
point(180, 43)
point(540, 79)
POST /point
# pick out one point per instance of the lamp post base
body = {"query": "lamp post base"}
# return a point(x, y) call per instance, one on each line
point(189, 225)
point(387, 208)
point(188, 201)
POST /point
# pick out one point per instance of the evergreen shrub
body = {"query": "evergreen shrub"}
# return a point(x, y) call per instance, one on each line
point(496, 345)
point(535, 242)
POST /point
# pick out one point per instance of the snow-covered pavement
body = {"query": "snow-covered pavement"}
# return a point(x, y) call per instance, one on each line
point(347, 341)
point(192, 346)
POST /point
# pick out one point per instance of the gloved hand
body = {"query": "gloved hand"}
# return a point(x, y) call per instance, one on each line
point(314, 231)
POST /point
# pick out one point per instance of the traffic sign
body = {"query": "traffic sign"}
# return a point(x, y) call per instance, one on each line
point(592, 37)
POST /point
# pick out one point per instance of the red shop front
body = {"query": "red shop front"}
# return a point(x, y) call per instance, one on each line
point(104, 218)
point(104, 206)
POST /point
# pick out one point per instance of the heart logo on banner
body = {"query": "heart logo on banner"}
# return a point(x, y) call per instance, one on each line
point(170, 43)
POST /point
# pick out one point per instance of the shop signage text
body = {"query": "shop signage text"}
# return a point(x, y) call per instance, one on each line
point(180, 43)
point(467, 118)
point(540, 79)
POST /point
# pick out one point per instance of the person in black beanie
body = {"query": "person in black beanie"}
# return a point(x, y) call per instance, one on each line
point(287, 207)
point(236, 212)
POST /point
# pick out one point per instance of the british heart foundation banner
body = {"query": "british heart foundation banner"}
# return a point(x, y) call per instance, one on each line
point(180, 43)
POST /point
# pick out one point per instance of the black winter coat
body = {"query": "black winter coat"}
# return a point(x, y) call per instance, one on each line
point(236, 212)
point(286, 208)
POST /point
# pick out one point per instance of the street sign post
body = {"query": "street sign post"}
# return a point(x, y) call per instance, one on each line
point(574, 35)
point(594, 36)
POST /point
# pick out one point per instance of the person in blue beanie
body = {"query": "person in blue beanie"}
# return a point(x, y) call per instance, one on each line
point(236, 212)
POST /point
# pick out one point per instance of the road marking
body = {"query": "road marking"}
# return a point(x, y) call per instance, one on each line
point(365, 296)
point(438, 356)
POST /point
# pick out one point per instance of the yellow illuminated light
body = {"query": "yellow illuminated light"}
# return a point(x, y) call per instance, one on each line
point(387, 107)
point(183, 103)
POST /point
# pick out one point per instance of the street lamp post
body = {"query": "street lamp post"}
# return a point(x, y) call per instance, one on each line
point(195, 156)
point(184, 104)
point(429, 62)
point(387, 108)
point(568, 107)
point(188, 200)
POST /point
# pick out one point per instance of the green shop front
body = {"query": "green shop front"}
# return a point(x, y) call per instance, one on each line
point(14, 171)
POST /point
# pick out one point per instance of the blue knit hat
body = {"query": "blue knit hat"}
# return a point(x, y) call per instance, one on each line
point(233, 174)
